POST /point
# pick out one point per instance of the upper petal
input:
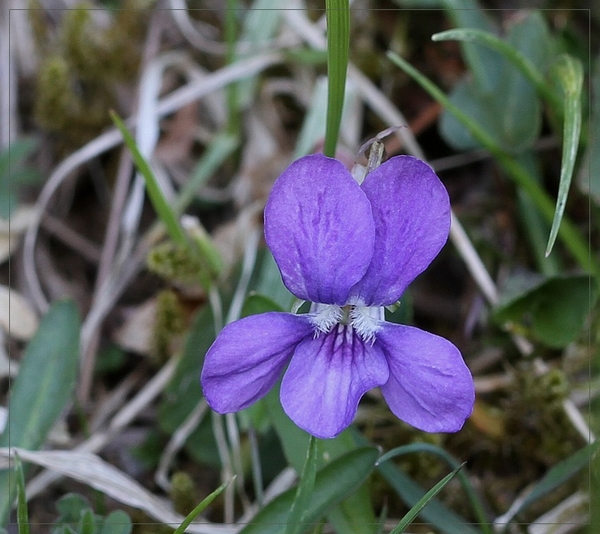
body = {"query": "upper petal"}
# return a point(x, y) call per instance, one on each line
point(319, 227)
point(429, 387)
point(412, 221)
point(327, 377)
point(248, 356)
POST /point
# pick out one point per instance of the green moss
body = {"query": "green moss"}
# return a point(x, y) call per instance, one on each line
point(169, 323)
point(183, 493)
point(174, 263)
point(82, 66)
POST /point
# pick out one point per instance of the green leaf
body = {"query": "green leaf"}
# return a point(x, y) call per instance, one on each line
point(118, 522)
point(199, 508)
point(183, 392)
point(423, 501)
point(22, 515)
point(71, 506)
point(87, 522)
point(42, 388)
point(569, 72)
point(333, 483)
point(568, 233)
point(482, 63)
point(554, 308)
point(161, 205)
point(304, 491)
point(338, 44)
point(510, 112)
point(518, 59)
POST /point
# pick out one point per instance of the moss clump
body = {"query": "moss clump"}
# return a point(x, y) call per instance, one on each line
point(169, 323)
point(183, 493)
point(83, 64)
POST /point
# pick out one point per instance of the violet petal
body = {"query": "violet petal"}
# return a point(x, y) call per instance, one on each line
point(327, 377)
point(248, 356)
point(412, 220)
point(430, 387)
point(319, 227)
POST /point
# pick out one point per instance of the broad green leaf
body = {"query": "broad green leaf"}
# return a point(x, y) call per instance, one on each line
point(42, 388)
point(510, 112)
point(568, 233)
point(482, 62)
point(70, 507)
point(161, 204)
point(569, 72)
point(421, 503)
point(306, 485)
point(87, 522)
point(184, 392)
point(519, 60)
point(554, 308)
point(338, 44)
point(201, 507)
point(118, 522)
point(333, 483)
point(22, 515)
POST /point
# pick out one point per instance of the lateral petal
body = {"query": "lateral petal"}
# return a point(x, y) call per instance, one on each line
point(320, 229)
point(326, 379)
point(248, 356)
point(429, 387)
point(411, 210)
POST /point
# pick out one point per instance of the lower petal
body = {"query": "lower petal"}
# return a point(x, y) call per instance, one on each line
point(248, 356)
point(429, 387)
point(326, 379)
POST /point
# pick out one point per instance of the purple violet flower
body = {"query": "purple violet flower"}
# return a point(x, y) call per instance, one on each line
point(350, 249)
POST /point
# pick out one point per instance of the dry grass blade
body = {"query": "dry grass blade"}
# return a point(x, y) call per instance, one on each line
point(90, 469)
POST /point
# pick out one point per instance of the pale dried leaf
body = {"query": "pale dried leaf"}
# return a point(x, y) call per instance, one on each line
point(11, 231)
point(90, 469)
point(17, 316)
point(135, 334)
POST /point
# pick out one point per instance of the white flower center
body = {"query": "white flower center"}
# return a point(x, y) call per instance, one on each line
point(364, 320)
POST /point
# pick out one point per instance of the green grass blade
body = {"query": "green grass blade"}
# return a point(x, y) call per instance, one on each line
point(568, 233)
point(338, 44)
point(220, 148)
point(557, 476)
point(201, 507)
point(569, 72)
point(22, 515)
point(163, 209)
point(414, 511)
point(305, 489)
point(472, 496)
